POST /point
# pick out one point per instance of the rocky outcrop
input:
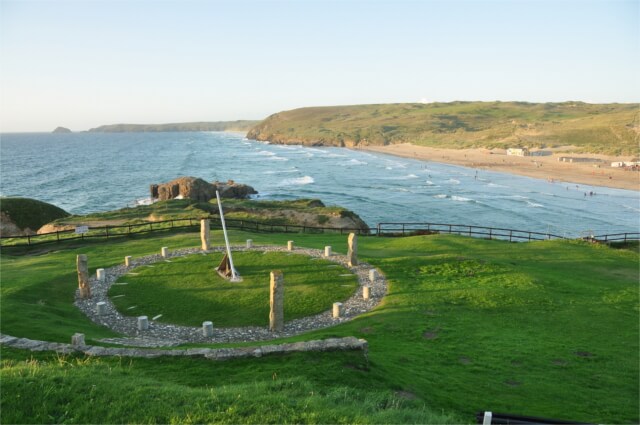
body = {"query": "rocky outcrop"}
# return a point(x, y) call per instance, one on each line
point(61, 130)
point(9, 228)
point(199, 190)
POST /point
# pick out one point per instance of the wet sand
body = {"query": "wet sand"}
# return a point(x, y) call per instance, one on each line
point(539, 167)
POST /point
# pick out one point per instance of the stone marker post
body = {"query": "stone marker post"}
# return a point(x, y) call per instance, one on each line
point(205, 234)
point(77, 339)
point(83, 276)
point(164, 251)
point(366, 290)
point(373, 275)
point(327, 251)
point(100, 275)
point(143, 323)
point(207, 328)
point(276, 302)
point(290, 246)
point(338, 310)
point(101, 308)
point(249, 243)
point(352, 255)
point(128, 261)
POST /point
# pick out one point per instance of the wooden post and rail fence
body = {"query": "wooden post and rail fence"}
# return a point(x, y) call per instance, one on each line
point(387, 229)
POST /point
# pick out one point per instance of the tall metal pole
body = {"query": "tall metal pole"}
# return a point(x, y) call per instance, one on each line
point(234, 274)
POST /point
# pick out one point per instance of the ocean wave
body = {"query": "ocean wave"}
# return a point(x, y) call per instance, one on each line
point(293, 170)
point(461, 199)
point(266, 153)
point(453, 181)
point(631, 208)
point(534, 205)
point(430, 183)
point(298, 181)
point(494, 184)
point(441, 196)
point(353, 162)
point(278, 158)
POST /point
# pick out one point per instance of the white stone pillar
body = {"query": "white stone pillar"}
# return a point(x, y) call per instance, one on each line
point(276, 302)
point(327, 251)
point(207, 329)
point(366, 291)
point(143, 323)
point(373, 275)
point(164, 251)
point(128, 261)
point(290, 246)
point(249, 243)
point(101, 308)
point(77, 339)
point(100, 275)
point(338, 310)
point(205, 234)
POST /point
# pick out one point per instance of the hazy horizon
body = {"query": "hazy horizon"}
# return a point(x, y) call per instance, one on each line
point(80, 65)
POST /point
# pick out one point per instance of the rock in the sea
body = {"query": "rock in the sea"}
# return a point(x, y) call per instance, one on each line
point(199, 190)
point(61, 130)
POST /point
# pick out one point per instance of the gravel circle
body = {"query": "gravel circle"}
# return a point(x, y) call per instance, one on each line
point(163, 334)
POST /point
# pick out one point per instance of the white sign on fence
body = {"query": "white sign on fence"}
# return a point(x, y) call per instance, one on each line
point(82, 229)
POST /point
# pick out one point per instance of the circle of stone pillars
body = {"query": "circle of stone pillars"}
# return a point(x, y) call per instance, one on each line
point(100, 274)
point(205, 234)
point(101, 308)
point(290, 246)
point(249, 243)
point(327, 251)
point(82, 266)
point(207, 329)
point(164, 251)
point(143, 323)
point(128, 261)
point(276, 302)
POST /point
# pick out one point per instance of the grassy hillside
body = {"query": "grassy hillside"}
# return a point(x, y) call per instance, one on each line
point(240, 125)
point(603, 128)
point(296, 212)
point(543, 328)
point(30, 213)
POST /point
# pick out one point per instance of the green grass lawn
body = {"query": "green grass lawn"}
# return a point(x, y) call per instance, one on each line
point(188, 290)
point(542, 328)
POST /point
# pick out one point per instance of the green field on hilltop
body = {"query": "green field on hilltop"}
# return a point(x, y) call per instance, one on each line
point(545, 328)
point(596, 128)
point(188, 291)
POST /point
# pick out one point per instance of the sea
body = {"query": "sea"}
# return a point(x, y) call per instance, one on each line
point(92, 172)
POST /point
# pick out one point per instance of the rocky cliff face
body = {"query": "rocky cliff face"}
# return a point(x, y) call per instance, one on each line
point(9, 228)
point(199, 190)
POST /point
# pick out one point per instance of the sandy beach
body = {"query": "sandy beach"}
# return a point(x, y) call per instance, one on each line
point(540, 167)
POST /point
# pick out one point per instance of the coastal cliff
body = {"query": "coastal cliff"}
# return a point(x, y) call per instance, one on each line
point(239, 125)
point(597, 128)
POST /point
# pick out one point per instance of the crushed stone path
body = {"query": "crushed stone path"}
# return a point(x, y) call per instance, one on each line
point(166, 335)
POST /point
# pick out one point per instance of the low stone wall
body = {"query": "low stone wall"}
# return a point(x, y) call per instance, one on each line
point(331, 344)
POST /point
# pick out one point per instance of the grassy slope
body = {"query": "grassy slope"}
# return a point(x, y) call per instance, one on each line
point(545, 328)
point(241, 209)
point(30, 213)
point(605, 128)
point(200, 294)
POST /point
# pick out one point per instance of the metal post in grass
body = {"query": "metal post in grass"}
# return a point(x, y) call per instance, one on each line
point(234, 273)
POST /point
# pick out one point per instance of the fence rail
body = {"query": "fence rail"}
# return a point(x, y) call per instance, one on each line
point(382, 229)
point(395, 229)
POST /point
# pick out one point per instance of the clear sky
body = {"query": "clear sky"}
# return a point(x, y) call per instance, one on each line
point(80, 64)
